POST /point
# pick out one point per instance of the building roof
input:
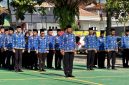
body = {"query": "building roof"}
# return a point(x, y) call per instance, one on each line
point(3, 10)
point(45, 4)
point(95, 7)
point(86, 13)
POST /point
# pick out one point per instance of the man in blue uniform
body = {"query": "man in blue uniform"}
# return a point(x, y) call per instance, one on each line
point(58, 55)
point(30, 66)
point(25, 58)
point(101, 52)
point(8, 46)
point(33, 48)
point(18, 48)
point(42, 49)
point(125, 47)
point(2, 54)
point(4, 50)
point(51, 42)
point(96, 54)
point(112, 48)
point(91, 45)
point(68, 50)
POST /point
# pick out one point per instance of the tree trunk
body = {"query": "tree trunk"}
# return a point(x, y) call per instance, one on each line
point(8, 4)
point(109, 23)
point(16, 16)
point(124, 27)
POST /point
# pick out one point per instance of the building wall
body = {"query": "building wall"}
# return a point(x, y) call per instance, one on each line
point(86, 24)
point(100, 25)
point(42, 25)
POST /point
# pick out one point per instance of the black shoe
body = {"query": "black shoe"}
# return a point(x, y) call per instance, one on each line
point(20, 70)
point(108, 68)
point(125, 66)
point(91, 69)
point(58, 68)
point(88, 68)
point(50, 67)
point(43, 70)
point(31, 67)
point(16, 70)
point(113, 68)
point(36, 68)
point(10, 69)
point(66, 76)
point(101, 67)
point(71, 76)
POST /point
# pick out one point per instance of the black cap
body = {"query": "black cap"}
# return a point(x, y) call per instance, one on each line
point(44, 29)
point(49, 29)
point(41, 30)
point(29, 30)
point(58, 30)
point(10, 28)
point(68, 26)
point(94, 28)
point(6, 29)
point(127, 30)
point(102, 31)
point(1, 27)
point(18, 26)
point(112, 29)
point(91, 28)
point(52, 28)
point(35, 30)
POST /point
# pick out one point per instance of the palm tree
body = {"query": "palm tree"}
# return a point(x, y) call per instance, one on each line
point(66, 10)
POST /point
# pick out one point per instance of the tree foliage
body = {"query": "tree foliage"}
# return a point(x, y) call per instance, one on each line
point(23, 6)
point(66, 10)
point(119, 9)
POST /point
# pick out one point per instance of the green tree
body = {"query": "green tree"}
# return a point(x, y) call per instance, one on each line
point(111, 8)
point(118, 9)
point(66, 10)
point(9, 11)
point(123, 13)
point(21, 7)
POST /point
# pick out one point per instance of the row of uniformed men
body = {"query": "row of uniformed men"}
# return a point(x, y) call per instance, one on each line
point(26, 49)
point(106, 45)
point(64, 45)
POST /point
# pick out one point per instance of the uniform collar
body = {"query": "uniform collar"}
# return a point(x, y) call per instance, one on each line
point(91, 35)
point(102, 36)
point(35, 36)
point(42, 37)
point(18, 33)
point(112, 35)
